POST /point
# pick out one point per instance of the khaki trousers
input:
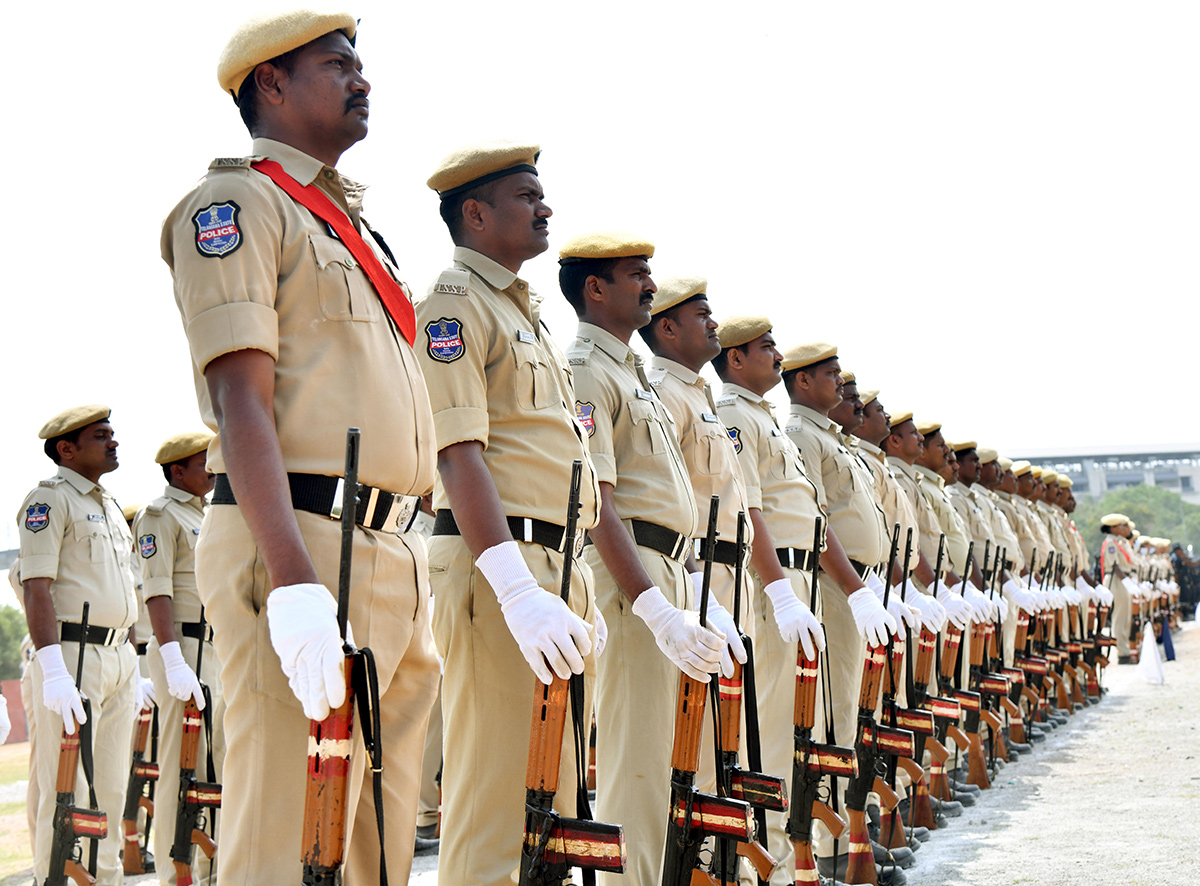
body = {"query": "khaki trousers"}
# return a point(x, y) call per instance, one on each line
point(487, 708)
point(170, 737)
point(266, 732)
point(108, 675)
point(429, 799)
point(636, 691)
point(1122, 614)
point(845, 652)
point(31, 790)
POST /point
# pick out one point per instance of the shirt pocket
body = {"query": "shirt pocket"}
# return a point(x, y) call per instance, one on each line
point(783, 459)
point(535, 377)
point(714, 449)
point(343, 289)
point(649, 435)
point(90, 539)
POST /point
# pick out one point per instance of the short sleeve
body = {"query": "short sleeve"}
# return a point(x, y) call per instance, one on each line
point(156, 537)
point(42, 524)
point(598, 408)
point(452, 347)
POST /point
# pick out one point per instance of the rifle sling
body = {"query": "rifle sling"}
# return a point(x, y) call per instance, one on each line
point(583, 808)
point(365, 684)
point(87, 759)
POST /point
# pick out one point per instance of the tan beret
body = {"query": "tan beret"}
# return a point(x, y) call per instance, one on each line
point(925, 428)
point(1133, 530)
point(480, 163)
point(867, 396)
point(1065, 481)
point(963, 446)
point(986, 455)
point(1021, 468)
point(1113, 520)
point(1005, 463)
point(808, 354)
point(1036, 471)
point(848, 377)
point(73, 420)
point(182, 446)
point(1049, 476)
point(901, 417)
point(740, 330)
point(675, 290)
point(604, 244)
point(264, 37)
point(130, 511)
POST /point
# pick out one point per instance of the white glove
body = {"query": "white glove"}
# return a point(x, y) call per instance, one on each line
point(871, 619)
point(1002, 605)
point(1130, 586)
point(182, 682)
point(601, 632)
point(796, 622)
point(975, 599)
point(932, 613)
point(958, 610)
point(1106, 595)
point(694, 650)
point(1082, 586)
point(719, 619)
point(302, 621)
point(545, 628)
point(5, 723)
point(58, 689)
point(143, 692)
point(896, 607)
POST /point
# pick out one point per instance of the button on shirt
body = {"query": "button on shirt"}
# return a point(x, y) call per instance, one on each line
point(777, 482)
point(844, 484)
point(500, 380)
point(286, 286)
point(73, 533)
point(166, 532)
point(707, 449)
point(633, 441)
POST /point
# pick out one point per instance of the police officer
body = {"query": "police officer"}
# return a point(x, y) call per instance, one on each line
point(503, 411)
point(165, 534)
point(298, 328)
point(1116, 565)
point(75, 549)
point(640, 551)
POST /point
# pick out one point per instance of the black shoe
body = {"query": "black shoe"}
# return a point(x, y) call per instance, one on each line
point(889, 875)
point(1124, 659)
point(1017, 747)
point(1094, 699)
point(148, 861)
point(965, 798)
point(426, 842)
point(963, 787)
point(1037, 735)
point(885, 857)
point(942, 808)
point(921, 835)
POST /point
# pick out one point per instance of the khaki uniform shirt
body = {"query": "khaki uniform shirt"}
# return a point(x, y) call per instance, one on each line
point(633, 442)
point(707, 449)
point(167, 530)
point(844, 485)
point(1041, 538)
point(1053, 531)
point(777, 482)
point(893, 501)
point(275, 280)
point(957, 537)
point(978, 526)
point(1008, 506)
point(73, 533)
point(496, 376)
point(1002, 531)
point(1115, 552)
point(929, 530)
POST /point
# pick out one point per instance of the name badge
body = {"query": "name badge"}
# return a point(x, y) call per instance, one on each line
point(643, 395)
point(775, 432)
point(96, 518)
point(525, 336)
point(709, 417)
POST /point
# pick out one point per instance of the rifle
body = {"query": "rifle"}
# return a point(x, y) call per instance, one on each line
point(194, 796)
point(323, 840)
point(811, 761)
point(695, 816)
point(72, 823)
point(141, 774)
point(763, 792)
point(950, 681)
point(552, 845)
point(872, 742)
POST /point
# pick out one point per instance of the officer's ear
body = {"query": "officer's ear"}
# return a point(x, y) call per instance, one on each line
point(66, 450)
point(268, 79)
point(472, 216)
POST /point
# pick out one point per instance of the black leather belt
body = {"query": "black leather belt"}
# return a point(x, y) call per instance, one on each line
point(141, 648)
point(794, 558)
point(723, 551)
point(192, 629)
point(70, 632)
point(651, 535)
point(319, 494)
point(526, 529)
point(862, 570)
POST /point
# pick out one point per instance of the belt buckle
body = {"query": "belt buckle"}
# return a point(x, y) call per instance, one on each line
point(403, 509)
point(681, 542)
point(578, 542)
point(335, 510)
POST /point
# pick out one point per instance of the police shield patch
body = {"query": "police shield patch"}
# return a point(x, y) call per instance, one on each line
point(445, 339)
point(736, 436)
point(217, 232)
point(37, 517)
point(147, 546)
point(583, 413)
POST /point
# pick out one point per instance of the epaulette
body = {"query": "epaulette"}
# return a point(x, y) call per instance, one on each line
point(579, 351)
point(157, 506)
point(233, 162)
point(53, 482)
point(657, 383)
point(793, 428)
point(727, 400)
point(452, 281)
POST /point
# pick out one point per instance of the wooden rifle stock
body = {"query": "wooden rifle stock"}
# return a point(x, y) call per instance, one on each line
point(141, 773)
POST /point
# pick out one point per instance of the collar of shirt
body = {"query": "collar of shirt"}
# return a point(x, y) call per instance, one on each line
point(609, 344)
point(81, 483)
point(309, 170)
point(868, 446)
point(501, 279)
point(678, 370)
point(823, 422)
point(184, 497)
point(931, 476)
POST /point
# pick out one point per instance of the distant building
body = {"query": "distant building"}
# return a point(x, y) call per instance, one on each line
point(1096, 470)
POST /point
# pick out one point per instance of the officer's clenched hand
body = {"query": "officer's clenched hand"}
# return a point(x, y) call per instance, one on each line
point(545, 628)
point(796, 622)
point(871, 619)
point(182, 682)
point(694, 650)
point(303, 623)
point(58, 689)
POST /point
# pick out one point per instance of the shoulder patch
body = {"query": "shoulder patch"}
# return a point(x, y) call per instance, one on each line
point(445, 339)
point(579, 351)
point(656, 383)
point(583, 414)
point(217, 231)
point(147, 546)
point(231, 163)
point(453, 281)
point(37, 517)
point(157, 506)
point(52, 482)
point(728, 400)
point(735, 435)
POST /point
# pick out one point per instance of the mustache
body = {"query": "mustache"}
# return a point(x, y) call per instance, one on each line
point(357, 101)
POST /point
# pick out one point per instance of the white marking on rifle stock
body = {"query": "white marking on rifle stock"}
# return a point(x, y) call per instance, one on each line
point(329, 747)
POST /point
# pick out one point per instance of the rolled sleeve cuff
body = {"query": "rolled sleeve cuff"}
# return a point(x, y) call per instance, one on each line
point(39, 566)
point(237, 326)
point(159, 586)
point(606, 468)
point(460, 424)
point(753, 497)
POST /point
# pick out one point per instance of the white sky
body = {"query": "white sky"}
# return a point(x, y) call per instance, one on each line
point(992, 209)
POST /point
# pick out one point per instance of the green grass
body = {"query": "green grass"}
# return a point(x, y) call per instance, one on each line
point(14, 763)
